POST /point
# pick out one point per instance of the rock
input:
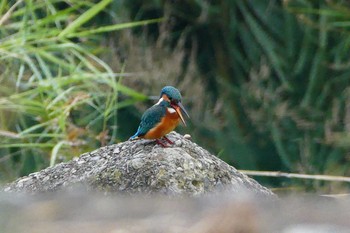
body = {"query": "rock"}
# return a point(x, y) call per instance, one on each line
point(142, 166)
point(84, 212)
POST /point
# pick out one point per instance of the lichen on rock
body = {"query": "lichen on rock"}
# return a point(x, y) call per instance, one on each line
point(142, 166)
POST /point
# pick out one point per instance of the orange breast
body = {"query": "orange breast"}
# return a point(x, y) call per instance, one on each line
point(167, 124)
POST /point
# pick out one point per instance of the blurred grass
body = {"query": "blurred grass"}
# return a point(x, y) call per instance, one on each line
point(58, 99)
point(266, 82)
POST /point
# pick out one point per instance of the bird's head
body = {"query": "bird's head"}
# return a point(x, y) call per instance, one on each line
point(173, 96)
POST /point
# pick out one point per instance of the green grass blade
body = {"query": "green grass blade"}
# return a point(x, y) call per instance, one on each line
point(54, 152)
point(115, 27)
point(71, 28)
point(27, 145)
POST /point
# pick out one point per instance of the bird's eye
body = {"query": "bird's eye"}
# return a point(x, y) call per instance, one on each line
point(170, 98)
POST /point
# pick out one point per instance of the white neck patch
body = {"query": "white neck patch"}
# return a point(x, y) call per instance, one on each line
point(159, 101)
point(171, 110)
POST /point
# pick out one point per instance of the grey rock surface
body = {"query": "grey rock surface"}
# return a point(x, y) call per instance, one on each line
point(142, 166)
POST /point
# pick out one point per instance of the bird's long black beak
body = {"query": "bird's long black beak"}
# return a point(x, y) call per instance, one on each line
point(183, 109)
point(180, 108)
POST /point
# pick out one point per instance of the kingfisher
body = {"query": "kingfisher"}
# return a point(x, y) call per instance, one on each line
point(163, 117)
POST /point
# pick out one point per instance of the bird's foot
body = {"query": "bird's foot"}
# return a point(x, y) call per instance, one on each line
point(168, 140)
point(161, 143)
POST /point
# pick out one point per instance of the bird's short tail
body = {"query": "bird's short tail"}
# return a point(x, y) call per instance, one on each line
point(134, 137)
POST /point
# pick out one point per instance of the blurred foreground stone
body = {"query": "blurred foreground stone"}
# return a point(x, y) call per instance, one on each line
point(134, 167)
point(83, 212)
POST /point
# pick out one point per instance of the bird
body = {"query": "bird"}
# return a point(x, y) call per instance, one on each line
point(163, 117)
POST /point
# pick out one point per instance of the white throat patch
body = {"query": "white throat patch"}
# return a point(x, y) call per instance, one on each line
point(171, 110)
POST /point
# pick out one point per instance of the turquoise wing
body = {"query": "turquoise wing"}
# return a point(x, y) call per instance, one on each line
point(150, 119)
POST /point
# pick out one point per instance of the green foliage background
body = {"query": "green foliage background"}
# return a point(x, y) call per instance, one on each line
point(266, 82)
